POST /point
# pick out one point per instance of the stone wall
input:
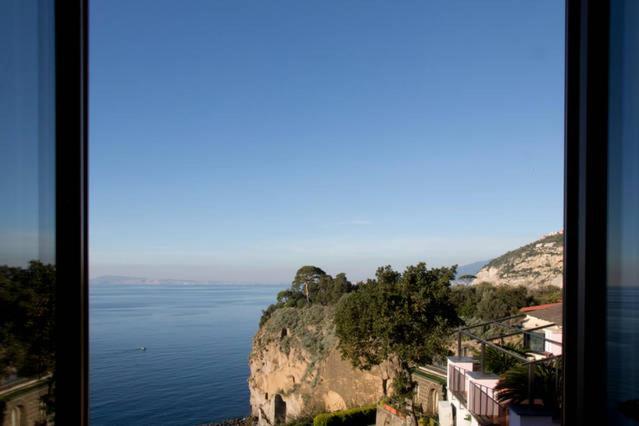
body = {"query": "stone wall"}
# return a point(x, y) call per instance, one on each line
point(429, 391)
point(23, 405)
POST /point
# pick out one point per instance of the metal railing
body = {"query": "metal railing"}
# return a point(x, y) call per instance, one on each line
point(482, 402)
point(484, 342)
point(457, 381)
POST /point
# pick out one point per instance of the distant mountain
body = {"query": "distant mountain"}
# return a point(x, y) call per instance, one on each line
point(471, 268)
point(124, 280)
point(533, 265)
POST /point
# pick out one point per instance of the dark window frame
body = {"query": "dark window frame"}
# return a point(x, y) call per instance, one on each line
point(586, 91)
point(585, 210)
point(71, 68)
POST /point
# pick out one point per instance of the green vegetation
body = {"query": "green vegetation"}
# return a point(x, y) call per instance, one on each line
point(353, 417)
point(310, 328)
point(498, 362)
point(407, 317)
point(546, 294)
point(431, 377)
point(466, 279)
point(488, 302)
point(27, 303)
point(311, 285)
point(507, 259)
point(302, 421)
point(27, 321)
point(513, 384)
point(428, 421)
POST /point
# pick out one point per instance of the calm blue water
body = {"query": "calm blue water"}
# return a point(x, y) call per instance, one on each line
point(623, 350)
point(195, 368)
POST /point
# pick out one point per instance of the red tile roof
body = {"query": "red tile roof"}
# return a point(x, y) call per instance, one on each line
point(552, 312)
point(538, 307)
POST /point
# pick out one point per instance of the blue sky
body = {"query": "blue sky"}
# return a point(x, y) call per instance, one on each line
point(238, 140)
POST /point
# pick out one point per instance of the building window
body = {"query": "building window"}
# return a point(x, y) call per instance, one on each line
point(534, 342)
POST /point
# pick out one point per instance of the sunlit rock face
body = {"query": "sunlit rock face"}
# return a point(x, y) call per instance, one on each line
point(297, 370)
point(537, 264)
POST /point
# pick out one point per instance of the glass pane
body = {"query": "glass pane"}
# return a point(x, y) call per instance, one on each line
point(623, 216)
point(27, 216)
point(536, 342)
point(267, 180)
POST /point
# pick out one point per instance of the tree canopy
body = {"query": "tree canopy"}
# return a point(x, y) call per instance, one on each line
point(404, 316)
point(311, 285)
point(487, 302)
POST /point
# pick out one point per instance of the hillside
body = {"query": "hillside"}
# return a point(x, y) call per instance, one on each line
point(536, 264)
point(471, 268)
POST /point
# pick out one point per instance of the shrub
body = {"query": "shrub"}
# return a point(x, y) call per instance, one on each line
point(513, 384)
point(302, 421)
point(353, 417)
point(499, 362)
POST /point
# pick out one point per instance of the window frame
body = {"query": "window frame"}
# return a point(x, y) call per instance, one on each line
point(585, 210)
point(585, 183)
point(71, 72)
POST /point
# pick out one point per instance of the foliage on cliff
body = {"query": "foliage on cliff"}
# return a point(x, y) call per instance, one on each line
point(311, 286)
point(536, 264)
point(529, 250)
point(310, 329)
point(351, 417)
point(489, 302)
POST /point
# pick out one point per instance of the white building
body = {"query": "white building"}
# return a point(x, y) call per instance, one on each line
point(471, 396)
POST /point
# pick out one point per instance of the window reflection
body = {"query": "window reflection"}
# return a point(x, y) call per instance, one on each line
point(27, 216)
point(623, 216)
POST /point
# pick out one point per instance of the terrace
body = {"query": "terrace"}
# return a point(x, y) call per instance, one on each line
point(520, 342)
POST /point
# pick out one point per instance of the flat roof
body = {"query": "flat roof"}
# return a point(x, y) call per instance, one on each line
point(551, 312)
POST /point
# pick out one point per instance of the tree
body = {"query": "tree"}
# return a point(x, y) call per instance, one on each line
point(306, 278)
point(466, 279)
point(500, 301)
point(310, 285)
point(546, 294)
point(465, 299)
point(407, 317)
point(329, 290)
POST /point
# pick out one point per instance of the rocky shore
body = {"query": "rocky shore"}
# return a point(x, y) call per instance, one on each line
point(238, 421)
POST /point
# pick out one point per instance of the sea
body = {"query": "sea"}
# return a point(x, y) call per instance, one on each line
point(623, 353)
point(197, 339)
point(172, 354)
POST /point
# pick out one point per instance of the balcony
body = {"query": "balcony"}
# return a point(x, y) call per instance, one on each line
point(457, 382)
point(484, 406)
point(471, 381)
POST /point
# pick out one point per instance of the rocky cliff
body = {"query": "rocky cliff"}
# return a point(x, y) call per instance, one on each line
point(297, 370)
point(536, 264)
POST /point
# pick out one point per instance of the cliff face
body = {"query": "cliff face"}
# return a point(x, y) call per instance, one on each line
point(297, 370)
point(536, 264)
